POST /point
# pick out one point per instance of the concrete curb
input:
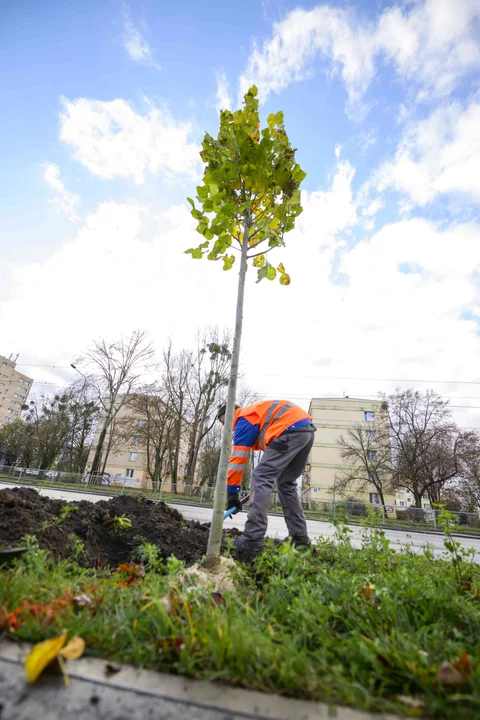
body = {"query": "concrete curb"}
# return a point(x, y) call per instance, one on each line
point(202, 694)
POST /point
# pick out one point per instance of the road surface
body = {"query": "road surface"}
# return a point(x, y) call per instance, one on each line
point(277, 527)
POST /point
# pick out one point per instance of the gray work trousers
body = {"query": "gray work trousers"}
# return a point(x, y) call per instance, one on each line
point(282, 462)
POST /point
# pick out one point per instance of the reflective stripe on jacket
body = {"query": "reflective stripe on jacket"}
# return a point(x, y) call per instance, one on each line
point(255, 427)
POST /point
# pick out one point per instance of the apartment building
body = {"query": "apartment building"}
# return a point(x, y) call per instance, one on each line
point(14, 390)
point(126, 463)
point(404, 499)
point(333, 417)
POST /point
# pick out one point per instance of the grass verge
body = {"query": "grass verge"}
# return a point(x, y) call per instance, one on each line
point(367, 628)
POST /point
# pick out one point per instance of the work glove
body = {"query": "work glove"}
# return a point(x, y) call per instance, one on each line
point(233, 500)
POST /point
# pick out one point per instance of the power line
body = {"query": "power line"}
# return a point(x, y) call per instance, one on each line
point(406, 380)
point(54, 367)
point(317, 377)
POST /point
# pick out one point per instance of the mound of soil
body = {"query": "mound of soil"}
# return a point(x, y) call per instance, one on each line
point(24, 512)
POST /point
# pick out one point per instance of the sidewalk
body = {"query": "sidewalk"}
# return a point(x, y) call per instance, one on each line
point(122, 692)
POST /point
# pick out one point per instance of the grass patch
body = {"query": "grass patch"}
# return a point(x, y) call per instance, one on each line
point(339, 625)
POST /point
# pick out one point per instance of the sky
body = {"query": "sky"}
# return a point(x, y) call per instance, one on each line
point(105, 105)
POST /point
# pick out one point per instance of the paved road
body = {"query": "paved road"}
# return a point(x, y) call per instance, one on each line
point(277, 527)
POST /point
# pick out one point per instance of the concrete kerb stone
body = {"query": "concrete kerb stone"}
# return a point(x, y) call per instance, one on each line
point(184, 691)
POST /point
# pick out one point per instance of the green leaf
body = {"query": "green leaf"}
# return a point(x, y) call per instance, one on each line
point(284, 279)
point(250, 174)
point(259, 261)
point(191, 202)
point(228, 261)
point(261, 274)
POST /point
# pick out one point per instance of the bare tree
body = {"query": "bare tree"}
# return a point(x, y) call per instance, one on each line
point(208, 377)
point(423, 441)
point(83, 417)
point(154, 427)
point(176, 378)
point(116, 372)
point(469, 484)
point(367, 452)
point(47, 425)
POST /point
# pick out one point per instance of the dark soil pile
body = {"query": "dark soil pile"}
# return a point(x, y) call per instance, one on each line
point(24, 512)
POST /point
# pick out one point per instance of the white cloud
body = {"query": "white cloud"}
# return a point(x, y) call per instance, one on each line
point(136, 45)
point(224, 101)
point(112, 140)
point(338, 150)
point(391, 306)
point(64, 199)
point(432, 44)
point(436, 156)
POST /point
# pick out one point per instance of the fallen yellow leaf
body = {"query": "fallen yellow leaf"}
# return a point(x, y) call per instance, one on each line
point(42, 655)
point(73, 649)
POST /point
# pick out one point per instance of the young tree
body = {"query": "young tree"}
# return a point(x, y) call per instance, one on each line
point(249, 198)
point(116, 375)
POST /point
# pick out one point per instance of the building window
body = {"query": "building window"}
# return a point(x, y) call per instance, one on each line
point(20, 389)
point(374, 499)
point(132, 456)
point(15, 404)
point(371, 435)
point(136, 440)
point(128, 473)
point(369, 416)
point(426, 506)
point(372, 455)
point(402, 503)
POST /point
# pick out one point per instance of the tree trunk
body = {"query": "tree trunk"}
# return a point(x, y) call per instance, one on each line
point(215, 536)
point(417, 497)
point(99, 448)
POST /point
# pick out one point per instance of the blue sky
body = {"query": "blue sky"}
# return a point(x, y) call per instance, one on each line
point(107, 105)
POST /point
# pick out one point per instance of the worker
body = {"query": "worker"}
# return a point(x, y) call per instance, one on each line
point(285, 433)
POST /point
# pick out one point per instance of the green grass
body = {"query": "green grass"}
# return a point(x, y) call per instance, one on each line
point(342, 626)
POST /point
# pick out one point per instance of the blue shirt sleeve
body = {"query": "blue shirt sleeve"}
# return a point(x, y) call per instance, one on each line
point(246, 434)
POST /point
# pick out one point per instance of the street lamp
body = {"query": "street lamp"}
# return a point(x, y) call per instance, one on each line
point(79, 372)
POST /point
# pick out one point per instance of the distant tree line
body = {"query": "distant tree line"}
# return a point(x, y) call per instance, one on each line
point(126, 398)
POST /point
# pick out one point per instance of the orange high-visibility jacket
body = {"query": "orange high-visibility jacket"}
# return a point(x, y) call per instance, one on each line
point(257, 425)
